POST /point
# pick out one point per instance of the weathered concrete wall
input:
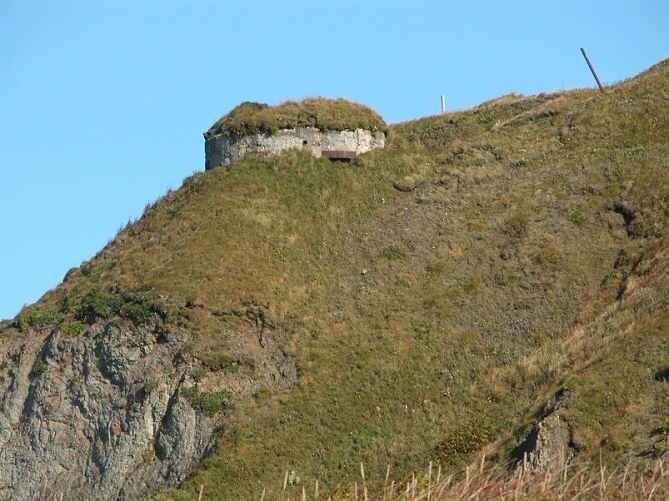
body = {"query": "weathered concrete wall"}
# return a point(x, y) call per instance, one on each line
point(223, 149)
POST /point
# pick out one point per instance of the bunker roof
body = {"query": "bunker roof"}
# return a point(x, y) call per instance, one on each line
point(324, 114)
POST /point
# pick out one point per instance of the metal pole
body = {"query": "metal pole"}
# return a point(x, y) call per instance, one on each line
point(443, 104)
point(592, 70)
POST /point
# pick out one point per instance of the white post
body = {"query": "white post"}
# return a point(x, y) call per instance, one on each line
point(443, 104)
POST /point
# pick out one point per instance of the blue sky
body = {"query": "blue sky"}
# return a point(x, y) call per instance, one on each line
point(103, 103)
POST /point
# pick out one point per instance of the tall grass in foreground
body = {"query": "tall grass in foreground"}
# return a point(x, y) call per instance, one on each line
point(479, 483)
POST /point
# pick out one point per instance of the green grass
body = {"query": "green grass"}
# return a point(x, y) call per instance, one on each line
point(98, 304)
point(37, 316)
point(576, 216)
point(466, 318)
point(392, 252)
point(618, 402)
point(324, 114)
point(210, 403)
point(72, 329)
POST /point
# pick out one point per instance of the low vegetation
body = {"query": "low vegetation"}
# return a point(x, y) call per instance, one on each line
point(485, 482)
point(37, 316)
point(72, 329)
point(428, 323)
point(324, 114)
point(72, 311)
point(210, 403)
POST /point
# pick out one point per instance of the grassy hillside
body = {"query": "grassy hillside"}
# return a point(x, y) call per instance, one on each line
point(434, 294)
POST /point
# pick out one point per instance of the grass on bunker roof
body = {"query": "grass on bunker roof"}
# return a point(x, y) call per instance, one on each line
point(325, 114)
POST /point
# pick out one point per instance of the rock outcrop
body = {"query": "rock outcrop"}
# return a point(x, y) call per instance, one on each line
point(105, 414)
point(549, 445)
point(83, 416)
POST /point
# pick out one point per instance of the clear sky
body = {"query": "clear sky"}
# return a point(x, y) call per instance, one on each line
point(103, 103)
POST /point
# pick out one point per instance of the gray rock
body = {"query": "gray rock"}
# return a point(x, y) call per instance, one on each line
point(77, 416)
point(549, 445)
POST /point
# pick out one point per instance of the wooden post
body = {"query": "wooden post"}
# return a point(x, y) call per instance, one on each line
point(592, 70)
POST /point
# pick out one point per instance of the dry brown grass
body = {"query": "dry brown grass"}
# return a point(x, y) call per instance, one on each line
point(484, 482)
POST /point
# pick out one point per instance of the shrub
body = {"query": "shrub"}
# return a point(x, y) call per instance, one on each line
point(136, 307)
point(576, 216)
point(209, 403)
point(37, 316)
point(98, 305)
point(392, 252)
point(190, 300)
point(466, 439)
point(138, 311)
point(71, 329)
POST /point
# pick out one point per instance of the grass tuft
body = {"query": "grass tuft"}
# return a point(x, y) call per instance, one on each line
point(210, 403)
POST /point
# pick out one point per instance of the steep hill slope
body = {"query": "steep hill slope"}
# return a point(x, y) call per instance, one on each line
point(496, 278)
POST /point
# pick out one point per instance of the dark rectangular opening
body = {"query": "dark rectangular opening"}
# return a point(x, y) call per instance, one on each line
point(338, 155)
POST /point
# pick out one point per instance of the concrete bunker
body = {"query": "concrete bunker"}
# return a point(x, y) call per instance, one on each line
point(335, 129)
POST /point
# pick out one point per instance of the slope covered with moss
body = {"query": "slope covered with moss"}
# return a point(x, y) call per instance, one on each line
point(434, 295)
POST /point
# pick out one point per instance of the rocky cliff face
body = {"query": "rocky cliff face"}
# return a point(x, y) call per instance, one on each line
point(106, 414)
